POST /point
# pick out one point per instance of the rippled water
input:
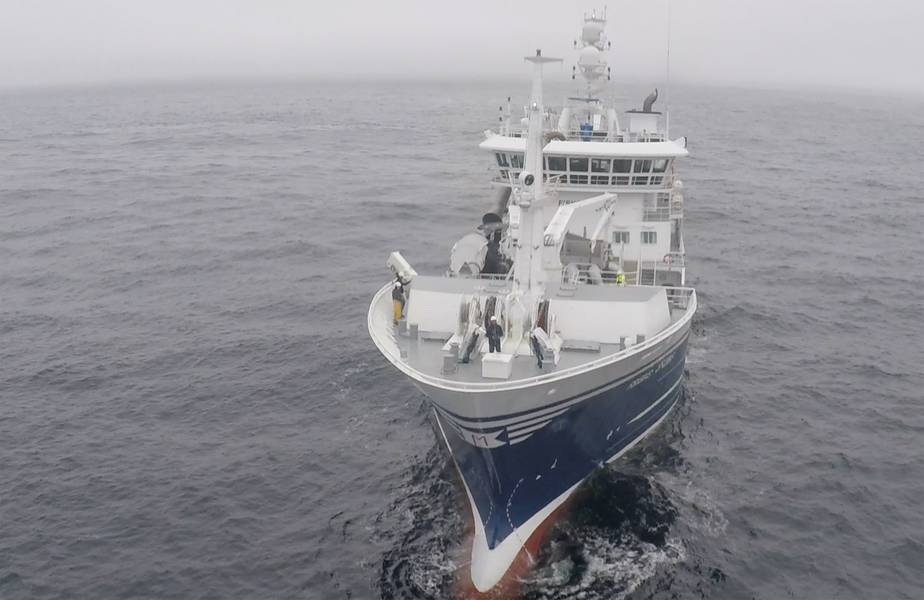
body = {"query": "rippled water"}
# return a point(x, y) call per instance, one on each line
point(191, 406)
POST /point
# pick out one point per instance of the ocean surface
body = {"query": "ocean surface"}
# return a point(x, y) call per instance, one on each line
point(190, 405)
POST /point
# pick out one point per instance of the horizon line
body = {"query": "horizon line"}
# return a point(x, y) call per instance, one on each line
point(365, 78)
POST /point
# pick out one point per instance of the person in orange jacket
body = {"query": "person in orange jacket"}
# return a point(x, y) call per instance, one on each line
point(397, 298)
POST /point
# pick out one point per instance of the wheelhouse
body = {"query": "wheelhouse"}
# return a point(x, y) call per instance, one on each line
point(646, 234)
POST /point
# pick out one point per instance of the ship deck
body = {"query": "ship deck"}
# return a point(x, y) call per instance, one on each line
point(424, 352)
point(426, 356)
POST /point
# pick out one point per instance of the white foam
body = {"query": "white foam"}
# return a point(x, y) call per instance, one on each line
point(619, 566)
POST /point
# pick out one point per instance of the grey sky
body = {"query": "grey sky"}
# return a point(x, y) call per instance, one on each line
point(857, 43)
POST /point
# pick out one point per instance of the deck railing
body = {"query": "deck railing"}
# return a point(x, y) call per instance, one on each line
point(570, 278)
point(584, 273)
point(494, 277)
point(680, 298)
point(671, 261)
point(590, 181)
point(596, 135)
point(656, 213)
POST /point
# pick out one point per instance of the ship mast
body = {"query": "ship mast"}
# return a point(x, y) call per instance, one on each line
point(531, 197)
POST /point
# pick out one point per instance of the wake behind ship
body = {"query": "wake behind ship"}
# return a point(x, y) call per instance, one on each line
point(557, 339)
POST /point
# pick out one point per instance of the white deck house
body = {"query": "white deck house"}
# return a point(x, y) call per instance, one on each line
point(590, 148)
point(646, 231)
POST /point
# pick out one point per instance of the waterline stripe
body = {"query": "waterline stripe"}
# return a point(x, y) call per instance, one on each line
point(645, 412)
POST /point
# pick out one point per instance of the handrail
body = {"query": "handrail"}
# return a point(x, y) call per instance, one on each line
point(561, 179)
point(583, 273)
point(488, 276)
point(656, 214)
point(452, 385)
point(596, 135)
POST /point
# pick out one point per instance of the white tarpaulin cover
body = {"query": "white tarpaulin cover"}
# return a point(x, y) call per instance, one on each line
point(606, 313)
point(472, 248)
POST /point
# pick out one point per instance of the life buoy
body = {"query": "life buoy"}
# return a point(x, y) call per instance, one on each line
point(668, 259)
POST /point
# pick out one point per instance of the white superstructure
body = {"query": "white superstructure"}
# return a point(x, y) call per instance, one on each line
point(590, 148)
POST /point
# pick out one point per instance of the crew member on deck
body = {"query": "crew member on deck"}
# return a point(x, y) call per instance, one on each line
point(494, 332)
point(537, 347)
point(587, 130)
point(620, 277)
point(397, 298)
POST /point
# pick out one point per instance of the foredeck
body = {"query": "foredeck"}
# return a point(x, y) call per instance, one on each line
point(426, 356)
point(421, 354)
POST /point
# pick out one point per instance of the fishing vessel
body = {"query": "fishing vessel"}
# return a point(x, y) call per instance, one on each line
point(556, 340)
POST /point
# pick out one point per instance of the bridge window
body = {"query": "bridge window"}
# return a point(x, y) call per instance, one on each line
point(501, 159)
point(600, 165)
point(621, 165)
point(642, 166)
point(620, 237)
point(660, 165)
point(649, 237)
point(578, 178)
point(600, 179)
point(556, 163)
point(516, 161)
point(578, 164)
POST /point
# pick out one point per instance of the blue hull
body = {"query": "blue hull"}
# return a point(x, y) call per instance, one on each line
point(512, 482)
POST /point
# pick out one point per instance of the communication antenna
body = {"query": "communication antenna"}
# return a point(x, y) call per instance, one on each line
point(667, 86)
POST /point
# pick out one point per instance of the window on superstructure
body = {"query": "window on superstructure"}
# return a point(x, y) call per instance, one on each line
point(621, 165)
point(600, 165)
point(622, 180)
point(504, 175)
point(600, 179)
point(577, 178)
point(516, 161)
point(641, 166)
point(620, 237)
point(557, 163)
point(660, 165)
point(578, 164)
point(501, 159)
point(656, 179)
point(649, 237)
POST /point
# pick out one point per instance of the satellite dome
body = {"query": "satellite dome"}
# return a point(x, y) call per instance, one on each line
point(591, 62)
point(590, 56)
